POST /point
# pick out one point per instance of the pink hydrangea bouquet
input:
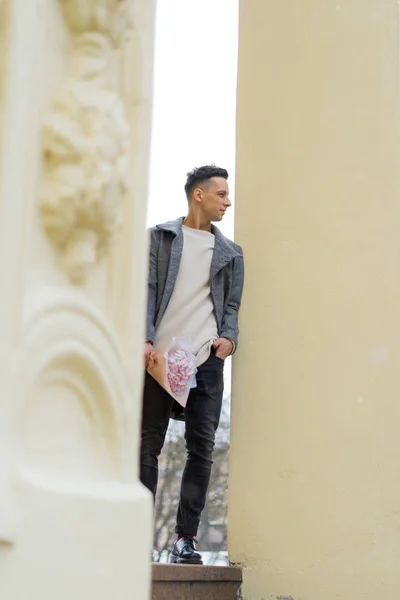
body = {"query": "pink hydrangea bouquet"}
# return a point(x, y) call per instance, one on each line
point(174, 369)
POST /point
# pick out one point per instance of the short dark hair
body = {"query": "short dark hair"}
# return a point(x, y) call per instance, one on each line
point(201, 174)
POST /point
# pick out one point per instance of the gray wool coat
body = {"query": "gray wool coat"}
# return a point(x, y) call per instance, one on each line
point(226, 277)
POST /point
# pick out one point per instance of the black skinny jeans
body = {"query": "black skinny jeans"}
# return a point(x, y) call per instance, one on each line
point(202, 414)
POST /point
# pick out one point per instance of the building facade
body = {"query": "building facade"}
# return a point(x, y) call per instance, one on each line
point(314, 492)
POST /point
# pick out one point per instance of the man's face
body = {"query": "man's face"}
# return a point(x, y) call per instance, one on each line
point(215, 198)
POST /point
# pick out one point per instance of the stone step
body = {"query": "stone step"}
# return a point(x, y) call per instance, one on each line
point(186, 582)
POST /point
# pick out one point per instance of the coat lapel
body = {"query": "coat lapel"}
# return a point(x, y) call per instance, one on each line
point(223, 252)
point(175, 227)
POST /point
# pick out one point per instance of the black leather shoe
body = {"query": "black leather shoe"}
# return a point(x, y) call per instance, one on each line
point(184, 552)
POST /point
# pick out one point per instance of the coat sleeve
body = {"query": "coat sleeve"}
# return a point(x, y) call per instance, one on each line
point(152, 285)
point(230, 327)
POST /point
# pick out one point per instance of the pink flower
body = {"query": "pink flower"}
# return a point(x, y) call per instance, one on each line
point(181, 369)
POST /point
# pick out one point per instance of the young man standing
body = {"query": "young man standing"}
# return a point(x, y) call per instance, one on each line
point(194, 290)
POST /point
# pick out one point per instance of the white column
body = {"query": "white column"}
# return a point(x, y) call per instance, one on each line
point(75, 98)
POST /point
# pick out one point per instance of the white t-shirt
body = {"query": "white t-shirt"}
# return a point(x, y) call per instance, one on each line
point(190, 312)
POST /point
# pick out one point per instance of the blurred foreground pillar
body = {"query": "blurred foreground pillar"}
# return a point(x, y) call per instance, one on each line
point(75, 108)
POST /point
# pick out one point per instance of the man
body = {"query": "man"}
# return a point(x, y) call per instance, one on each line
point(194, 290)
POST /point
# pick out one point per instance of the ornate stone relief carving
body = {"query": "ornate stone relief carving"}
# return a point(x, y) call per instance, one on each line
point(86, 140)
point(71, 417)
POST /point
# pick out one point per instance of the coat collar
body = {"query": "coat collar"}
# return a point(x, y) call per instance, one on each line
point(225, 250)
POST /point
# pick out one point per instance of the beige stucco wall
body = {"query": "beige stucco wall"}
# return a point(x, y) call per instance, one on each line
point(314, 478)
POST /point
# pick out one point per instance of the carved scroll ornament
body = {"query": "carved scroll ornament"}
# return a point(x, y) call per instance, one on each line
point(86, 140)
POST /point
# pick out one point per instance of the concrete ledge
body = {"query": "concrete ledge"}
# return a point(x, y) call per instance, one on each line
point(187, 582)
point(163, 572)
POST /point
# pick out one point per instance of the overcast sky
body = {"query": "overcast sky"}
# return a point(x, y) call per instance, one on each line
point(194, 99)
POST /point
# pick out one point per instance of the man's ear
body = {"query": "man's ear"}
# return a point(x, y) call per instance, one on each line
point(197, 194)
